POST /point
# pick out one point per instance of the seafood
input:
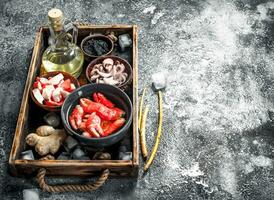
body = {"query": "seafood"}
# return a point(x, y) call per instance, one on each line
point(100, 109)
point(100, 98)
point(109, 71)
point(97, 118)
point(114, 126)
point(76, 116)
point(108, 62)
point(52, 91)
point(93, 125)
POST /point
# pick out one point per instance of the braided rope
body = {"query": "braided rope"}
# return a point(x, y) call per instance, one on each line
point(69, 187)
point(73, 187)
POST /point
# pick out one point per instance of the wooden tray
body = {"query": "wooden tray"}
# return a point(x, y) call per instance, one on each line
point(29, 116)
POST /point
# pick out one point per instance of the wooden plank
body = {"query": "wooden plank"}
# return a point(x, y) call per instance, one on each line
point(74, 163)
point(94, 26)
point(24, 103)
point(135, 98)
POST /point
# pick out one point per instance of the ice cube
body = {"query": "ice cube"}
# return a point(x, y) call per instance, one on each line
point(126, 142)
point(70, 143)
point(159, 81)
point(78, 154)
point(92, 149)
point(27, 155)
point(124, 41)
point(31, 194)
point(123, 148)
point(125, 156)
point(52, 119)
point(63, 156)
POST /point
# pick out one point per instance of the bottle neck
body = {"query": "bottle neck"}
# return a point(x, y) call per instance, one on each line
point(58, 37)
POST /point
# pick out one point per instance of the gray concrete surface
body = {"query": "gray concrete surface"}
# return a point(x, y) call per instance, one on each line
point(218, 138)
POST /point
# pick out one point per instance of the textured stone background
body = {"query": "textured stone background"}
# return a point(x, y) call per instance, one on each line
point(218, 129)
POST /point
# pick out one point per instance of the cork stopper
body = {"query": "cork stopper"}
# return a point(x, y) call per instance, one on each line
point(55, 14)
point(56, 19)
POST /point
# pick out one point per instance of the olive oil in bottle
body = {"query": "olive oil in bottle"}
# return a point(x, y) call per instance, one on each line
point(62, 54)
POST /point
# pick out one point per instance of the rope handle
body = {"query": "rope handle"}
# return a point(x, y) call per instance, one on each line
point(74, 187)
point(70, 187)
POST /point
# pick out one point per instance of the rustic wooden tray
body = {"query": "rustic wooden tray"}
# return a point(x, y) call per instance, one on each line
point(29, 115)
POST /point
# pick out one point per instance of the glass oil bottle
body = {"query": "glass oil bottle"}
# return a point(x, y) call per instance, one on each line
point(62, 54)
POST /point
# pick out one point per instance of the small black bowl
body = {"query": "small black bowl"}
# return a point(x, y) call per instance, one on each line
point(116, 95)
point(107, 39)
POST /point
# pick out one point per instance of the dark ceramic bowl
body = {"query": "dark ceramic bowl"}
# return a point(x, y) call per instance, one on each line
point(117, 96)
point(128, 69)
point(51, 74)
point(108, 40)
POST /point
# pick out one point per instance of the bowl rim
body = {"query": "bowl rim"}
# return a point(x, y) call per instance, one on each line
point(94, 36)
point(47, 74)
point(127, 124)
point(91, 64)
